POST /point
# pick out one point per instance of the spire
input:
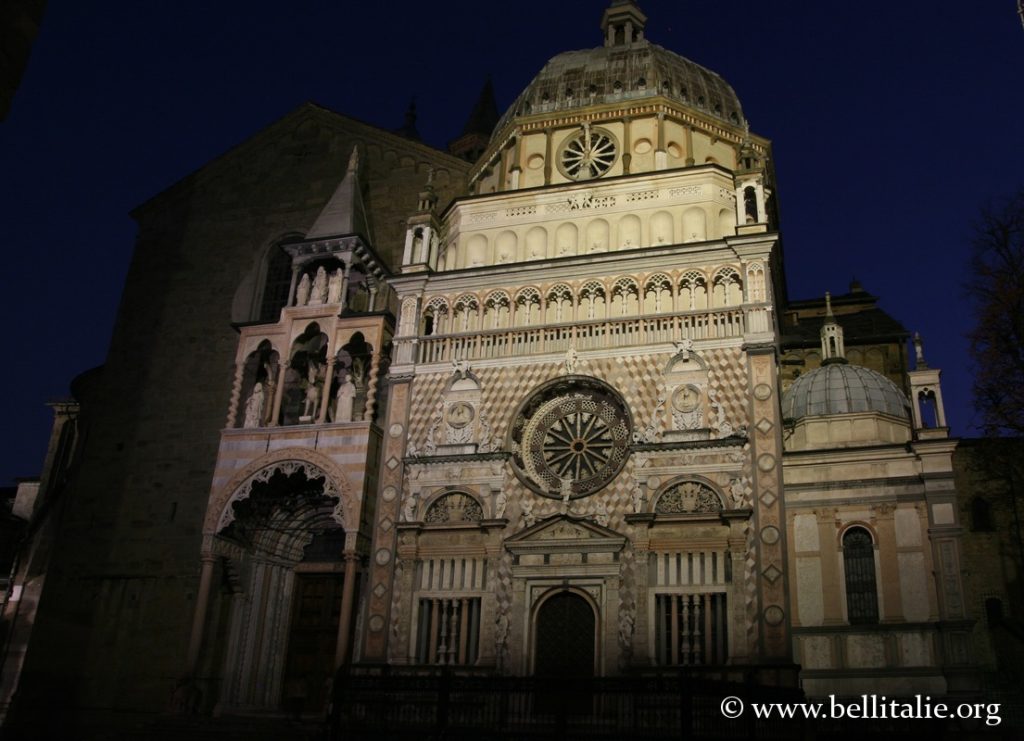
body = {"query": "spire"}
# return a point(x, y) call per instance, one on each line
point(832, 350)
point(408, 129)
point(623, 23)
point(477, 131)
point(344, 212)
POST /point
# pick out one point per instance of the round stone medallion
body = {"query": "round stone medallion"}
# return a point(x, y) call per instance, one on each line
point(766, 462)
point(686, 398)
point(395, 430)
point(762, 392)
point(460, 414)
point(770, 534)
point(773, 615)
point(389, 494)
point(382, 557)
point(376, 623)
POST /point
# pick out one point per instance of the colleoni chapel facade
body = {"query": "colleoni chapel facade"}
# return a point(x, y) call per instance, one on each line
point(542, 407)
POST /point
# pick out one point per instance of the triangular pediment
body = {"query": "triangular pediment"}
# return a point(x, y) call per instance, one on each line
point(566, 532)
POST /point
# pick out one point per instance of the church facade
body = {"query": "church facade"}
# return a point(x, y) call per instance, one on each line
point(547, 412)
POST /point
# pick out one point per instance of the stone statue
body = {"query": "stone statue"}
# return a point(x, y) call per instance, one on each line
point(345, 396)
point(571, 360)
point(500, 502)
point(501, 626)
point(254, 407)
point(302, 294)
point(601, 514)
point(724, 428)
point(528, 517)
point(736, 492)
point(409, 511)
point(638, 500)
point(312, 392)
point(626, 623)
point(919, 351)
point(334, 287)
point(319, 292)
point(565, 489)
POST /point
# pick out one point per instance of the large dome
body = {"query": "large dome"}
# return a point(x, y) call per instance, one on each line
point(611, 74)
point(840, 388)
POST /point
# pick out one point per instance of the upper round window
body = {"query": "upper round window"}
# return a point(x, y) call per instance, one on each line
point(589, 154)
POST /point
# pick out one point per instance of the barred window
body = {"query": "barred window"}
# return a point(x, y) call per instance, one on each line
point(691, 629)
point(859, 567)
point(448, 631)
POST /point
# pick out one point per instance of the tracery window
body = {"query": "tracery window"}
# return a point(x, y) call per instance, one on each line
point(275, 286)
point(859, 568)
point(559, 304)
point(693, 291)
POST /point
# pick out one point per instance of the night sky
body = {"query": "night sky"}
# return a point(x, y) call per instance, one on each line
point(892, 124)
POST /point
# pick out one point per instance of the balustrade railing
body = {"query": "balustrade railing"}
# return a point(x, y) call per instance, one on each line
point(591, 335)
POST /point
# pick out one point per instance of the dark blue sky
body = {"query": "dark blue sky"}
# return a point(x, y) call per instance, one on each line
point(892, 123)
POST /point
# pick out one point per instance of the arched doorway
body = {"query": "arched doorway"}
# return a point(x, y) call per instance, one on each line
point(564, 644)
point(564, 653)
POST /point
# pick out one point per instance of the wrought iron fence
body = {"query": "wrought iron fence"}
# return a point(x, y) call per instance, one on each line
point(388, 703)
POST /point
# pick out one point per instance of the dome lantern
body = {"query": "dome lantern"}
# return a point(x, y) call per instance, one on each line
point(623, 23)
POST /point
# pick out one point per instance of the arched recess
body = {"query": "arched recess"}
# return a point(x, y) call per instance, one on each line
point(566, 239)
point(726, 222)
point(629, 232)
point(597, 236)
point(695, 225)
point(505, 247)
point(536, 243)
point(662, 231)
point(476, 251)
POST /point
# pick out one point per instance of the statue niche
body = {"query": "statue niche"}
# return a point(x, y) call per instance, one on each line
point(259, 378)
point(304, 380)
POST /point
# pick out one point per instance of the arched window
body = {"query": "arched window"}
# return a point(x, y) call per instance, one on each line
point(859, 568)
point(275, 287)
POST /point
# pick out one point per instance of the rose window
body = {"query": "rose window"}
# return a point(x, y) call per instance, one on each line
point(589, 154)
point(578, 433)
